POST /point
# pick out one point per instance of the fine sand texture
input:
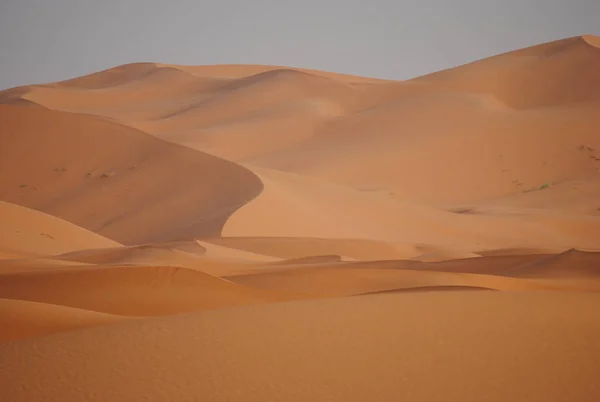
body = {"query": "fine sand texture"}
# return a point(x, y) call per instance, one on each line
point(271, 233)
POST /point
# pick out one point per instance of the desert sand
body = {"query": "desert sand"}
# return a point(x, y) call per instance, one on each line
point(271, 233)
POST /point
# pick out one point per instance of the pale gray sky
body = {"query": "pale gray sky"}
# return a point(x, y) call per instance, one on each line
point(50, 40)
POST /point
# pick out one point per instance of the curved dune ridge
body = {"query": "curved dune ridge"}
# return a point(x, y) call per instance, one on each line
point(116, 181)
point(249, 232)
point(592, 40)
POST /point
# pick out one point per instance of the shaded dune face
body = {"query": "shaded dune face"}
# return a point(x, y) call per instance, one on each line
point(28, 232)
point(113, 180)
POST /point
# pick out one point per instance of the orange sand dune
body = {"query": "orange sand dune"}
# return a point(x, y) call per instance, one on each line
point(288, 248)
point(158, 92)
point(576, 196)
point(216, 251)
point(344, 279)
point(21, 319)
point(198, 111)
point(240, 71)
point(130, 290)
point(296, 206)
point(463, 152)
point(239, 98)
point(571, 264)
point(248, 232)
point(352, 280)
point(452, 346)
point(153, 254)
point(556, 73)
point(28, 232)
point(110, 77)
point(212, 259)
point(374, 135)
point(116, 181)
point(23, 264)
point(424, 125)
point(202, 254)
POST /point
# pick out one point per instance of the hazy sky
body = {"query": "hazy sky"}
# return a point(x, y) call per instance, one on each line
point(49, 40)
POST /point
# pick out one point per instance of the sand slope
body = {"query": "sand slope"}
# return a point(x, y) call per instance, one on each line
point(555, 73)
point(129, 290)
point(28, 232)
point(113, 180)
point(25, 319)
point(543, 348)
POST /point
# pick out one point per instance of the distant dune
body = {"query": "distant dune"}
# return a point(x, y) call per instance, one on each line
point(252, 233)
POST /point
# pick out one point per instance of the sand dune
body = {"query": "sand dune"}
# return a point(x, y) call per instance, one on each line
point(295, 247)
point(130, 290)
point(184, 253)
point(28, 232)
point(25, 319)
point(536, 272)
point(571, 264)
point(212, 259)
point(295, 206)
point(459, 130)
point(555, 73)
point(25, 264)
point(116, 181)
point(575, 196)
point(157, 92)
point(355, 280)
point(463, 152)
point(248, 232)
point(424, 347)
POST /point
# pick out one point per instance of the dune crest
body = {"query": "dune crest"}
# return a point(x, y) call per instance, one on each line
point(592, 40)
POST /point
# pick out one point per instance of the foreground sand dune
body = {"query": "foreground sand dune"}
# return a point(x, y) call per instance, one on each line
point(454, 346)
point(112, 282)
point(251, 233)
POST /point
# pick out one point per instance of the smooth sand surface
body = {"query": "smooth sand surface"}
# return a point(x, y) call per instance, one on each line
point(28, 232)
point(25, 319)
point(270, 233)
point(430, 346)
